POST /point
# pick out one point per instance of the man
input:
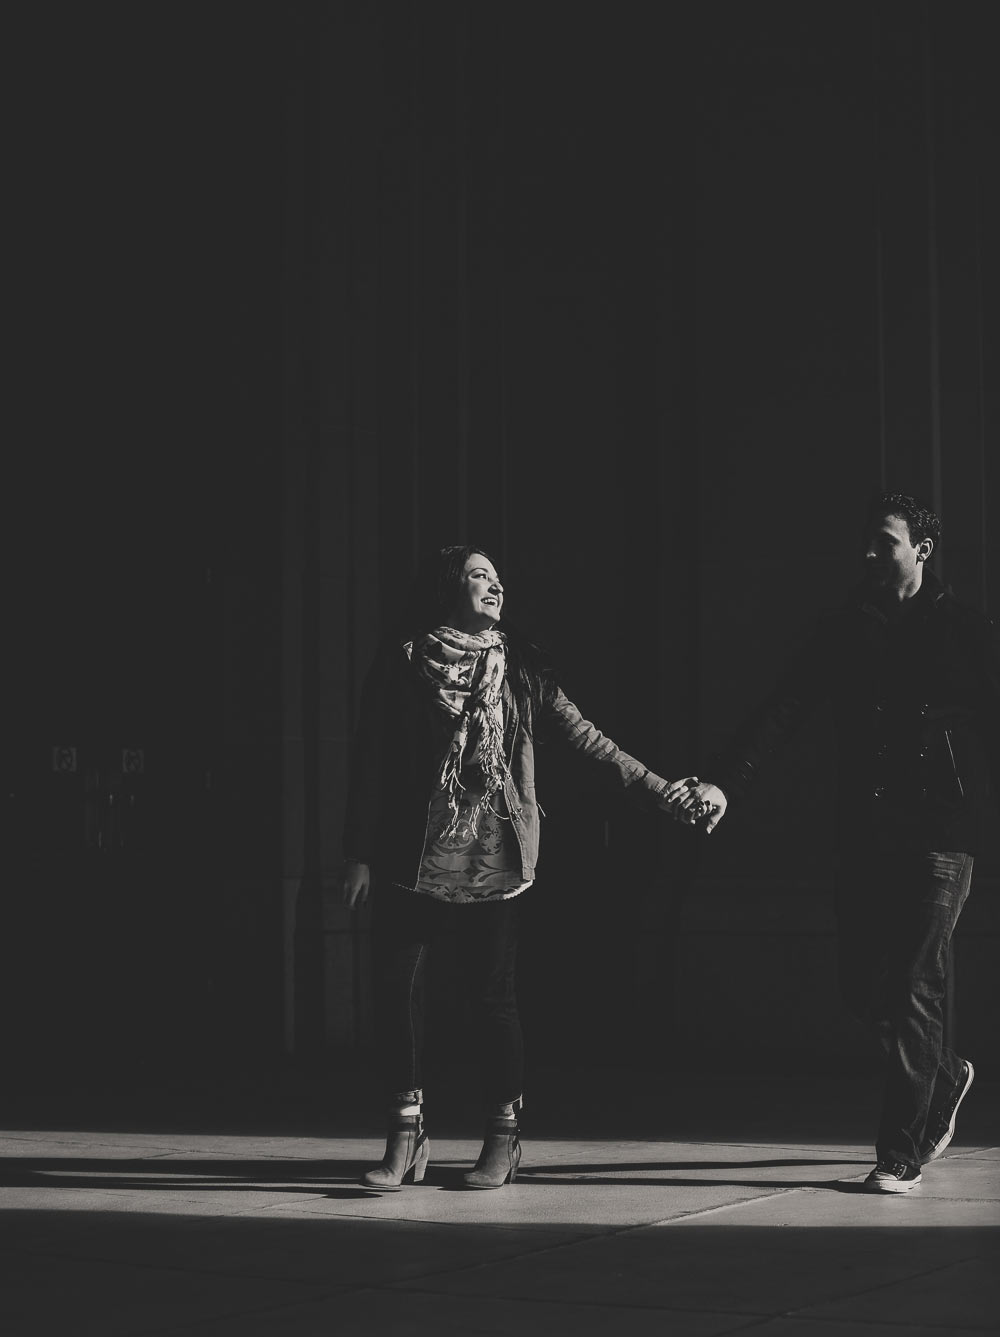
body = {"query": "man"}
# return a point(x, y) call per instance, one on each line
point(913, 678)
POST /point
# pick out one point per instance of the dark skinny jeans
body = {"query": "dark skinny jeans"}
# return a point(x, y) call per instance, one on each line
point(408, 926)
point(896, 914)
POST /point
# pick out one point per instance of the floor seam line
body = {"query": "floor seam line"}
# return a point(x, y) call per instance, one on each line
point(739, 1202)
point(883, 1286)
point(402, 1288)
point(203, 1322)
point(172, 1267)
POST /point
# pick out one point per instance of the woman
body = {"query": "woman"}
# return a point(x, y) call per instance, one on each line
point(442, 806)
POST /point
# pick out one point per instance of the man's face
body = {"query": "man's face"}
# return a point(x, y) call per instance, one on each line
point(892, 562)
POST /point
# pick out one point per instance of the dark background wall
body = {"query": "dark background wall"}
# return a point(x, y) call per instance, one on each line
point(646, 299)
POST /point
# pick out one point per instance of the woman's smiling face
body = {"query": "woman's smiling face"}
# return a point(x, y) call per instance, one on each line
point(480, 598)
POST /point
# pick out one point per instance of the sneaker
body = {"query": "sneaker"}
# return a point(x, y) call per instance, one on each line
point(892, 1177)
point(941, 1123)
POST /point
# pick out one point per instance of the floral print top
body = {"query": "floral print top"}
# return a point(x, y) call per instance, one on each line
point(471, 865)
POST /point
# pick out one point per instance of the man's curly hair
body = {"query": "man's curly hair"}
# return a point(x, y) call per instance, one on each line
point(920, 522)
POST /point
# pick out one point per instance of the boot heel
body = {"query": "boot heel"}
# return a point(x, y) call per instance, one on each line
point(420, 1164)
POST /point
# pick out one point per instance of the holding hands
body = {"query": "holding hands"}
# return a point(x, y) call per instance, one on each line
point(697, 800)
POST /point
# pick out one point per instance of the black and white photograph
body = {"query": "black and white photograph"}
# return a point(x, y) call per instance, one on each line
point(502, 770)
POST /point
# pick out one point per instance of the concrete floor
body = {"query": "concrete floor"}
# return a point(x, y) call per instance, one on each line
point(731, 1206)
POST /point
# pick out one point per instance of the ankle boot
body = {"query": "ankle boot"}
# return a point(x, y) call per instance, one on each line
point(406, 1149)
point(501, 1153)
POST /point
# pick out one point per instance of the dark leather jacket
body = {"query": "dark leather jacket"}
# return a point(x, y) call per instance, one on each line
point(398, 747)
point(915, 695)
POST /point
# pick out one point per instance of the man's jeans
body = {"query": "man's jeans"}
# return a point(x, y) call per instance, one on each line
point(896, 914)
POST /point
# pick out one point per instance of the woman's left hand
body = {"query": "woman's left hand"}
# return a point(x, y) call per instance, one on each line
point(356, 881)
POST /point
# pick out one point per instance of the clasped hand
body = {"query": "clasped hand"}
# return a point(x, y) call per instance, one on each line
point(691, 800)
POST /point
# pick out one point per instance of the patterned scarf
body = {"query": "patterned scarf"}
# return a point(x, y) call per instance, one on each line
point(466, 670)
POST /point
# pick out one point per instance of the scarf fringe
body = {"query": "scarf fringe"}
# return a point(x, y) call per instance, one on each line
point(450, 660)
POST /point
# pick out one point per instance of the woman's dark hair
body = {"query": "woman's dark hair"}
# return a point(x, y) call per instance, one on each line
point(433, 596)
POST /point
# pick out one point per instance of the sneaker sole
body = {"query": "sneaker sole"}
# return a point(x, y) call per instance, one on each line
point(893, 1185)
point(946, 1140)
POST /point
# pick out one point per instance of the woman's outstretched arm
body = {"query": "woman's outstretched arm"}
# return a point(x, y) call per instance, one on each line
point(565, 721)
